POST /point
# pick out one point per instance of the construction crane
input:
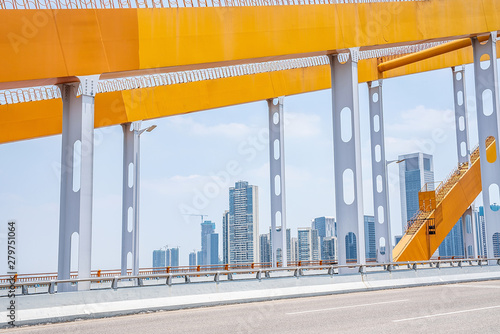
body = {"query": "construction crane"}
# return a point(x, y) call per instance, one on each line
point(192, 214)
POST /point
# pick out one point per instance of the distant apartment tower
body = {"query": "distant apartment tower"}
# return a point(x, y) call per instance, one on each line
point(415, 171)
point(308, 244)
point(207, 228)
point(212, 251)
point(452, 245)
point(199, 258)
point(168, 257)
point(370, 240)
point(243, 223)
point(192, 259)
point(483, 236)
point(326, 227)
point(329, 249)
point(265, 249)
point(159, 258)
point(225, 237)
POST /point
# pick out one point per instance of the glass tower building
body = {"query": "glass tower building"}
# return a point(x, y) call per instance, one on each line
point(243, 227)
point(370, 242)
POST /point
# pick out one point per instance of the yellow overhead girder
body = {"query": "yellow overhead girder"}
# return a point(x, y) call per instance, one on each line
point(44, 118)
point(51, 44)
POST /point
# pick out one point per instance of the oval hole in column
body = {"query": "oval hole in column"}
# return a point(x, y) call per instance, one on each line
point(351, 252)
point(485, 61)
point(346, 124)
point(77, 165)
point(463, 149)
point(277, 185)
point(130, 219)
point(131, 175)
point(129, 260)
point(494, 196)
point(461, 123)
point(487, 102)
point(381, 245)
point(348, 186)
point(276, 118)
point(276, 149)
point(460, 97)
point(75, 240)
point(275, 101)
point(380, 186)
point(381, 218)
point(376, 123)
point(378, 154)
point(458, 76)
point(375, 97)
point(491, 153)
point(277, 217)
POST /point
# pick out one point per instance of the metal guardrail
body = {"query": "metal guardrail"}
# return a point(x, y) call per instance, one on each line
point(259, 273)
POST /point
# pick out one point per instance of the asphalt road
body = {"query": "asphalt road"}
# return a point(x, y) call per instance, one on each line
point(457, 308)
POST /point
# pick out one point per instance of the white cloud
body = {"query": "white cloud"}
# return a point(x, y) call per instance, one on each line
point(230, 130)
point(421, 120)
point(302, 125)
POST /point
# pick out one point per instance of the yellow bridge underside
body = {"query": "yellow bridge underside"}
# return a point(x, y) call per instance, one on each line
point(50, 46)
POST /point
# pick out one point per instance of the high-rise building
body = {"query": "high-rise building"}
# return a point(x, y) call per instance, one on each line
point(370, 240)
point(207, 228)
point(174, 257)
point(243, 223)
point(308, 244)
point(329, 249)
point(212, 251)
point(415, 171)
point(452, 245)
point(265, 249)
point(168, 257)
point(351, 247)
point(326, 227)
point(192, 259)
point(225, 237)
point(159, 258)
point(199, 258)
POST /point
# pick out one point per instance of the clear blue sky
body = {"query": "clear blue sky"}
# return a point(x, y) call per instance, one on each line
point(189, 154)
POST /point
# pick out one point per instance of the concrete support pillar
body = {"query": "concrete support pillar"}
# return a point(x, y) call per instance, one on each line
point(277, 178)
point(75, 223)
point(347, 159)
point(487, 103)
point(463, 152)
point(379, 174)
point(130, 207)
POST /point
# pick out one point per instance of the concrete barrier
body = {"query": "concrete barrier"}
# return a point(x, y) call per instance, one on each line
point(44, 308)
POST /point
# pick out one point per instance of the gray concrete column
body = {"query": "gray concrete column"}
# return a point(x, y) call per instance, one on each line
point(347, 159)
point(277, 179)
point(487, 102)
point(75, 224)
point(379, 174)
